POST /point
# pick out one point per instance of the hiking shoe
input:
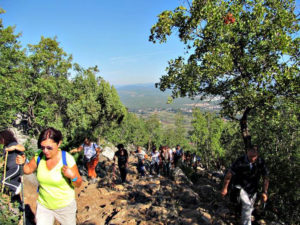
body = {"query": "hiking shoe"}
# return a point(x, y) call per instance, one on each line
point(18, 190)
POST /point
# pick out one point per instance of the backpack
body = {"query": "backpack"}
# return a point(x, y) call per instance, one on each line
point(93, 157)
point(64, 159)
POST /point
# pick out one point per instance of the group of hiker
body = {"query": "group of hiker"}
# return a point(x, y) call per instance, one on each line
point(58, 175)
point(164, 159)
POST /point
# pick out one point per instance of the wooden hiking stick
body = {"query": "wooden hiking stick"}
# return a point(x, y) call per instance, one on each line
point(4, 175)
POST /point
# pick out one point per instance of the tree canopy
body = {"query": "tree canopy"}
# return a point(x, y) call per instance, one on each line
point(245, 52)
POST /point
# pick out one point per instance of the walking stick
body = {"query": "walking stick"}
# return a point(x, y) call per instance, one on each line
point(4, 176)
point(22, 190)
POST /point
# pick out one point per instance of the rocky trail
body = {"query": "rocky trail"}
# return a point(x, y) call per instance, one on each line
point(141, 201)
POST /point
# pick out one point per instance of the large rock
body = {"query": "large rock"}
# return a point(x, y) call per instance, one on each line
point(181, 178)
point(109, 152)
point(24, 139)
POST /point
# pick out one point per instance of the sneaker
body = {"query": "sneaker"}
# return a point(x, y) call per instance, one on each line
point(18, 190)
point(150, 176)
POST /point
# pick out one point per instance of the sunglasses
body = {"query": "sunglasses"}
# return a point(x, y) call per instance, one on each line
point(46, 147)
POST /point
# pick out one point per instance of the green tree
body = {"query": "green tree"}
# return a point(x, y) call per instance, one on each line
point(11, 74)
point(206, 134)
point(245, 52)
point(132, 130)
point(154, 130)
point(46, 87)
point(277, 133)
point(94, 106)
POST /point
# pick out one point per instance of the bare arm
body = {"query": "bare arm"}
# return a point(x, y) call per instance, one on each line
point(72, 174)
point(28, 167)
point(98, 150)
point(114, 166)
point(76, 149)
point(17, 147)
point(227, 179)
point(265, 189)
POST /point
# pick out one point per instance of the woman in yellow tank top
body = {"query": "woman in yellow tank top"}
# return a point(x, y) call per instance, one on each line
point(56, 181)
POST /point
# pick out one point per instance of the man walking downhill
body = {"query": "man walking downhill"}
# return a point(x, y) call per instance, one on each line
point(247, 171)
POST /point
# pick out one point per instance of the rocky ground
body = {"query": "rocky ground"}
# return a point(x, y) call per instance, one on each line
point(155, 200)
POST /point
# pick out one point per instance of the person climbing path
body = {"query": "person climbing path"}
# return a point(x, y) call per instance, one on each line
point(12, 171)
point(58, 175)
point(91, 156)
point(122, 156)
point(141, 155)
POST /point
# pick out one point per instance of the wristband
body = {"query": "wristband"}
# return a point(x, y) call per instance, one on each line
point(265, 192)
point(74, 179)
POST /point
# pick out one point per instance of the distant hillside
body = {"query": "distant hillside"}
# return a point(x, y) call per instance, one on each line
point(146, 97)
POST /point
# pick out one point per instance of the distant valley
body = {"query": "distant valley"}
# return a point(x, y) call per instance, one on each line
point(145, 100)
point(145, 97)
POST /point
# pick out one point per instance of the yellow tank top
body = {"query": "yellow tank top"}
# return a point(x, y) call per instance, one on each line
point(55, 190)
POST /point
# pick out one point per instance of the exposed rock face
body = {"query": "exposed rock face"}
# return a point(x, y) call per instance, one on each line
point(109, 152)
point(24, 139)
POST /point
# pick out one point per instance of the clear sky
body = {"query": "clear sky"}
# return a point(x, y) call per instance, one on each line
point(112, 34)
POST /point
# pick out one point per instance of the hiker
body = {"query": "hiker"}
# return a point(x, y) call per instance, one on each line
point(171, 155)
point(245, 174)
point(187, 158)
point(57, 174)
point(155, 159)
point(12, 149)
point(165, 159)
point(122, 156)
point(91, 156)
point(194, 161)
point(141, 155)
point(178, 155)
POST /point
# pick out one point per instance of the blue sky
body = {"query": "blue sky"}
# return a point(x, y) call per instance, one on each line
point(111, 34)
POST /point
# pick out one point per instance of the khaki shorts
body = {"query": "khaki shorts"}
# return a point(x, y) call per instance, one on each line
point(66, 215)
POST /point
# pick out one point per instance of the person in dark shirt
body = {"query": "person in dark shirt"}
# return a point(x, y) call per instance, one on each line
point(245, 174)
point(122, 156)
point(12, 149)
point(178, 155)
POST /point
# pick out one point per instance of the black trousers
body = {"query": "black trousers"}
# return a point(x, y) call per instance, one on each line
point(12, 179)
point(123, 172)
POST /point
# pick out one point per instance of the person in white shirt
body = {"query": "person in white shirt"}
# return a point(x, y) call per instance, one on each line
point(141, 155)
point(154, 161)
point(91, 156)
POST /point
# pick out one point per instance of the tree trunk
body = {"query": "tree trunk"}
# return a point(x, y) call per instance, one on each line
point(244, 129)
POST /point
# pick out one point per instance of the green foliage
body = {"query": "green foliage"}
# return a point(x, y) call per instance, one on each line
point(277, 134)
point(7, 216)
point(176, 134)
point(231, 142)
point(36, 88)
point(252, 63)
point(11, 74)
point(154, 129)
point(206, 134)
point(131, 130)
point(248, 63)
